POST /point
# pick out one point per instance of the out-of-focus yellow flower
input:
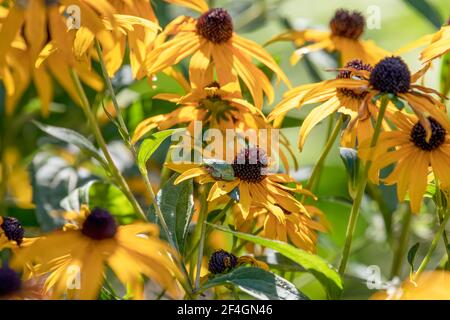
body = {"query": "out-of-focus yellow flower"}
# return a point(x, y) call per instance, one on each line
point(344, 37)
point(36, 42)
point(432, 285)
point(88, 244)
point(18, 184)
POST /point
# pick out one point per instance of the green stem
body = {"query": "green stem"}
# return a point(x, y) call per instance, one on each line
point(433, 246)
point(354, 213)
point(315, 174)
point(120, 180)
point(111, 91)
point(201, 220)
point(209, 229)
point(402, 245)
point(441, 213)
point(3, 165)
point(131, 147)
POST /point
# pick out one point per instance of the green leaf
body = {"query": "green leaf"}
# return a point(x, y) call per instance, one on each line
point(177, 206)
point(72, 137)
point(350, 158)
point(220, 169)
point(313, 264)
point(258, 283)
point(412, 254)
point(77, 197)
point(149, 146)
point(111, 198)
point(52, 179)
point(26, 216)
point(424, 8)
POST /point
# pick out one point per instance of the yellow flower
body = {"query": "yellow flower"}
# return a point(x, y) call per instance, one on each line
point(352, 93)
point(17, 177)
point(215, 49)
point(439, 45)
point(413, 155)
point(344, 37)
point(331, 99)
point(287, 226)
point(13, 287)
point(255, 185)
point(36, 43)
point(432, 285)
point(137, 32)
point(218, 107)
point(92, 242)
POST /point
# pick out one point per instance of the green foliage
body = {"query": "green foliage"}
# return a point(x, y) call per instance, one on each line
point(329, 278)
point(258, 283)
point(177, 206)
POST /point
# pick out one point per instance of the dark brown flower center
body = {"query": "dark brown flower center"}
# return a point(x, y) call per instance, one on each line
point(418, 135)
point(347, 24)
point(391, 75)
point(10, 282)
point(250, 164)
point(215, 25)
point(13, 229)
point(99, 225)
point(347, 74)
point(221, 262)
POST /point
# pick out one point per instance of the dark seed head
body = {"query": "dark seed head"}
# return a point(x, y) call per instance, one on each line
point(418, 135)
point(99, 225)
point(391, 75)
point(215, 25)
point(347, 74)
point(13, 229)
point(10, 282)
point(221, 262)
point(347, 24)
point(250, 164)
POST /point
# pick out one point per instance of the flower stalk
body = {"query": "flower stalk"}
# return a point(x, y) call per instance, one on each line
point(120, 180)
point(354, 213)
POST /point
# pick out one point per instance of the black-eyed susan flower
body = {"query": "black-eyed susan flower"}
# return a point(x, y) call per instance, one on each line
point(295, 227)
point(90, 243)
point(14, 287)
point(218, 107)
point(222, 261)
point(413, 155)
point(353, 92)
point(346, 29)
point(251, 178)
point(346, 101)
point(215, 49)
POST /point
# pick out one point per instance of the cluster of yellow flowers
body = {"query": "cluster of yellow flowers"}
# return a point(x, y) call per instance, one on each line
point(373, 95)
